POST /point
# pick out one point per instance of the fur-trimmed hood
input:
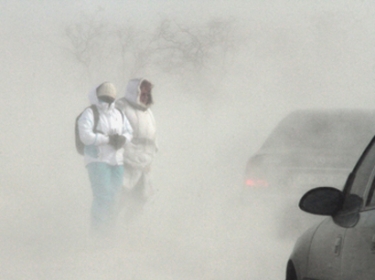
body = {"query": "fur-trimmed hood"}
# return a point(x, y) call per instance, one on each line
point(133, 92)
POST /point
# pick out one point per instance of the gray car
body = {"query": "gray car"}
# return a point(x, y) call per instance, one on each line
point(308, 148)
point(342, 246)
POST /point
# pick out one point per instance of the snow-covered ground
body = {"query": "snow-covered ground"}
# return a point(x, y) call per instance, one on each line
point(188, 231)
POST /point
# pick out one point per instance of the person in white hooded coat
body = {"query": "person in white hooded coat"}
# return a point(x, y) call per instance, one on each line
point(104, 154)
point(140, 152)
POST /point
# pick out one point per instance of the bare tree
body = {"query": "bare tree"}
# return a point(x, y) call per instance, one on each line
point(137, 49)
point(170, 46)
point(85, 41)
point(193, 48)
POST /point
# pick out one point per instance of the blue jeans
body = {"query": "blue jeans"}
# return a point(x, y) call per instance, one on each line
point(106, 184)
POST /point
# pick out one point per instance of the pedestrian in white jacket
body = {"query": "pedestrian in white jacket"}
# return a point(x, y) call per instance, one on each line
point(140, 152)
point(104, 154)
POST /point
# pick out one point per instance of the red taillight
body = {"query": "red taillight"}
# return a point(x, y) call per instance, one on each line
point(256, 183)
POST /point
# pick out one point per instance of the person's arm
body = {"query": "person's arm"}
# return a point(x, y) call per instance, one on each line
point(156, 134)
point(86, 130)
point(127, 130)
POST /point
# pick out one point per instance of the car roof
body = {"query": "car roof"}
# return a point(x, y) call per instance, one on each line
point(349, 129)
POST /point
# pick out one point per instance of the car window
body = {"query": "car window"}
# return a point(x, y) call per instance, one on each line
point(363, 172)
point(371, 198)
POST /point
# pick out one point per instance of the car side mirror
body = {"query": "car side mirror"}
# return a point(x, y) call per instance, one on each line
point(322, 201)
point(348, 216)
point(329, 201)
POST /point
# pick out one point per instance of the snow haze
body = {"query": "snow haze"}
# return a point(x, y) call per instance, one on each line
point(211, 115)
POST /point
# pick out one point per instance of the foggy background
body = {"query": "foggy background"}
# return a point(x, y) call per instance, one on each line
point(215, 103)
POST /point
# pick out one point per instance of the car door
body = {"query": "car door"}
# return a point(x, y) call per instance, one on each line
point(332, 252)
point(358, 256)
point(325, 251)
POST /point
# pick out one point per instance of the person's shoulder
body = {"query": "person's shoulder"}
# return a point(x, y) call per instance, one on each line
point(149, 111)
point(86, 113)
point(90, 110)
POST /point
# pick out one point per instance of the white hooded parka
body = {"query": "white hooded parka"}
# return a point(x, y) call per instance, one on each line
point(111, 121)
point(140, 152)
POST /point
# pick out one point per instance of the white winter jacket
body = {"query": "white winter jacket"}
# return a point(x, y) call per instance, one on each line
point(140, 152)
point(110, 122)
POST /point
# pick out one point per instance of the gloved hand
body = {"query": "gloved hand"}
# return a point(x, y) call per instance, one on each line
point(117, 141)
